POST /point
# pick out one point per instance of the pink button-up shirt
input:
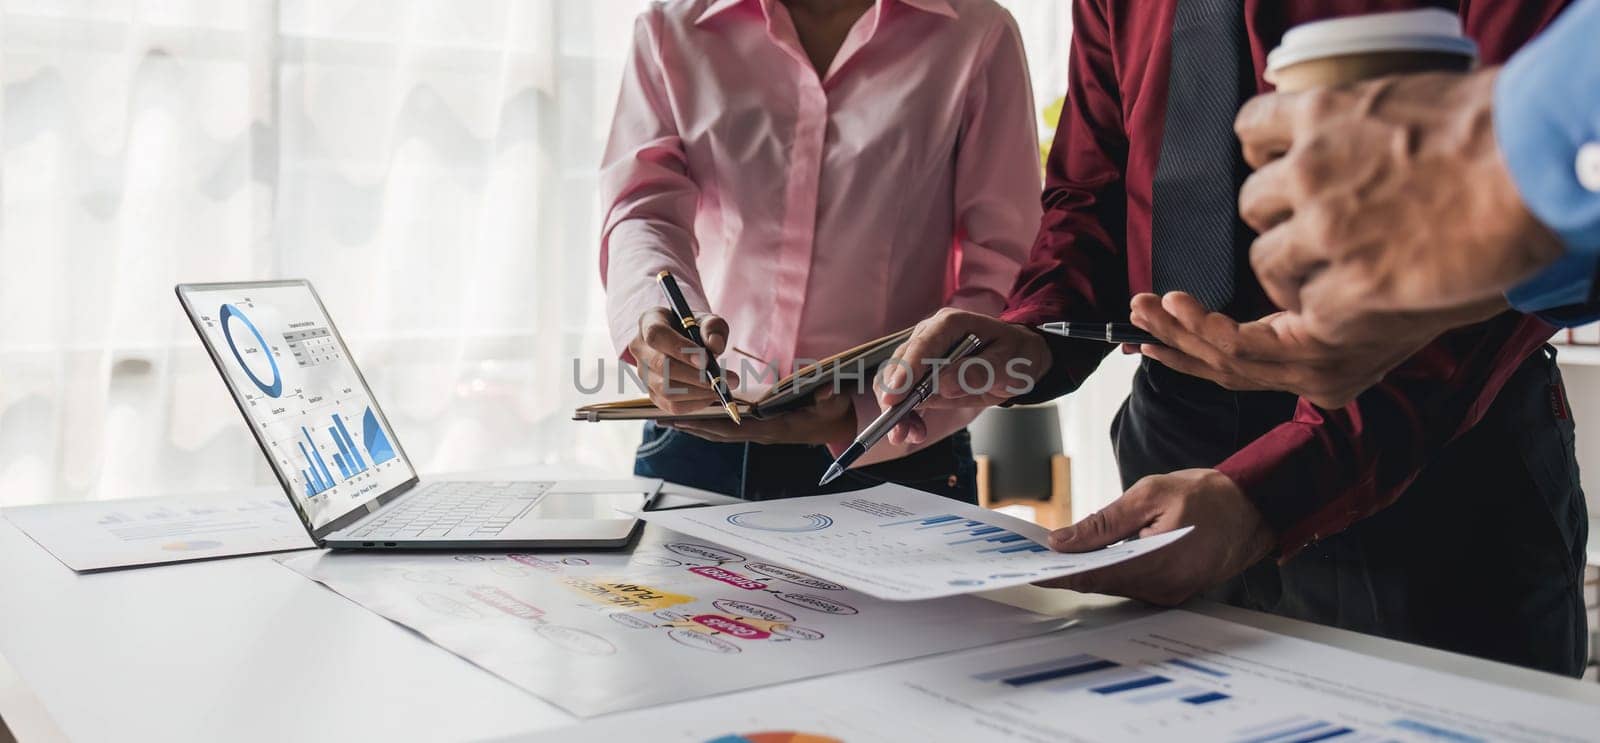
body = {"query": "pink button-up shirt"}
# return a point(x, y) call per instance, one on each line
point(814, 212)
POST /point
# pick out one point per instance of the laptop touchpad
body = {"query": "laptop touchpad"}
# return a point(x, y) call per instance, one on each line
point(588, 506)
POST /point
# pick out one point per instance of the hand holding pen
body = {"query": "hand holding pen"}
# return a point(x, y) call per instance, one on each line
point(690, 327)
point(1016, 354)
point(674, 366)
point(879, 428)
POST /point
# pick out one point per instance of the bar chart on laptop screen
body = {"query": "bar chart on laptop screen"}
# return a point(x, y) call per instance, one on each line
point(298, 387)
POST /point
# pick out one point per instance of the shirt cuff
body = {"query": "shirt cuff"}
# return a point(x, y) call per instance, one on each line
point(1547, 125)
point(1572, 316)
point(981, 301)
point(1569, 281)
point(636, 256)
point(1277, 473)
point(1071, 360)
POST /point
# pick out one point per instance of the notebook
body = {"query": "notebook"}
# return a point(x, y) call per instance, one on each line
point(788, 393)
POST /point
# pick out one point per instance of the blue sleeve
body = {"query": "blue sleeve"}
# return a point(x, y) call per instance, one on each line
point(1547, 123)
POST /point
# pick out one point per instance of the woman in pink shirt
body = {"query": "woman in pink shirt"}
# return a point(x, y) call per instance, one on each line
point(819, 173)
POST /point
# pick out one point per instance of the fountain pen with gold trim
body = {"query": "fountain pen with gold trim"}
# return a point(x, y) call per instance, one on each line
point(691, 330)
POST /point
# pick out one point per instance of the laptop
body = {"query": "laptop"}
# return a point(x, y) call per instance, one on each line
point(336, 456)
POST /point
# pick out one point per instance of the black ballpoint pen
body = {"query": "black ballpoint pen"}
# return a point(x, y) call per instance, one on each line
point(880, 427)
point(1111, 332)
point(691, 329)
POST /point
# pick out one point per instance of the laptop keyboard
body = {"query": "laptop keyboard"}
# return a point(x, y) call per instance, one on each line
point(454, 510)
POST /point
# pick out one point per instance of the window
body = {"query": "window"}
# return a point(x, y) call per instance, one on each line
point(429, 164)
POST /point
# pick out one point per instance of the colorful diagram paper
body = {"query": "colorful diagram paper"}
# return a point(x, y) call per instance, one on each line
point(896, 543)
point(678, 619)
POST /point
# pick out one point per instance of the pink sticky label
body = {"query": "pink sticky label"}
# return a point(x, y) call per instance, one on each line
point(729, 577)
point(731, 627)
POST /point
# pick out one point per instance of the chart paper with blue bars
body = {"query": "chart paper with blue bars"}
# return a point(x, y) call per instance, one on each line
point(1165, 677)
point(1135, 684)
point(1182, 676)
point(984, 537)
point(893, 542)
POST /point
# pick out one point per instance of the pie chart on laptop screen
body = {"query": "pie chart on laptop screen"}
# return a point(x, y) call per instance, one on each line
point(775, 737)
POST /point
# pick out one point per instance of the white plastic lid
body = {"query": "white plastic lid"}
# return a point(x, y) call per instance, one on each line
point(1426, 30)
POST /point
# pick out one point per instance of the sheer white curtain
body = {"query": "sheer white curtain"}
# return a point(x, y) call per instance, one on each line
point(429, 164)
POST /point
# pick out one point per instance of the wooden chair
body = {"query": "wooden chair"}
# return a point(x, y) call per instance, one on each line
point(1052, 512)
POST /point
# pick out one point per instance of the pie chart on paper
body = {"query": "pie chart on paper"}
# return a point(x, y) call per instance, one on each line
point(775, 737)
point(779, 521)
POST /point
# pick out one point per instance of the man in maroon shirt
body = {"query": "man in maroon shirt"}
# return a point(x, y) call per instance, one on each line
point(1440, 507)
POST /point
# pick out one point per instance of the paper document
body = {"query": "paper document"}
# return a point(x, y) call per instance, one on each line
point(100, 535)
point(1175, 676)
point(678, 619)
point(897, 543)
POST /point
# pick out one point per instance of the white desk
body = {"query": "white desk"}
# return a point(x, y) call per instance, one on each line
point(246, 650)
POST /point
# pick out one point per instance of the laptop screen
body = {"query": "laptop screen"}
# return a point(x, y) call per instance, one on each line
point(301, 392)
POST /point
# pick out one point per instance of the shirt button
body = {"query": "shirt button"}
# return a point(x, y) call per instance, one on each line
point(1589, 166)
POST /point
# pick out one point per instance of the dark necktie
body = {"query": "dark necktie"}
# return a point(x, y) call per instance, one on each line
point(1195, 228)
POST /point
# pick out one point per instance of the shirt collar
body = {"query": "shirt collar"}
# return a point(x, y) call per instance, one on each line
point(717, 8)
point(938, 7)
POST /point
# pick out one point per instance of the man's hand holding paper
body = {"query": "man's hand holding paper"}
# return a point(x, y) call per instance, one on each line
point(899, 544)
point(1234, 537)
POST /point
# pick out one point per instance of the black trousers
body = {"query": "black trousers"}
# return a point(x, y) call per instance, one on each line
point(1483, 554)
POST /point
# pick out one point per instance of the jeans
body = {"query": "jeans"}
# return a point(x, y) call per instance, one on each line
point(769, 471)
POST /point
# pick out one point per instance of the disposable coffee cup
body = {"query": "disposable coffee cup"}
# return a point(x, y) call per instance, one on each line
point(1346, 50)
